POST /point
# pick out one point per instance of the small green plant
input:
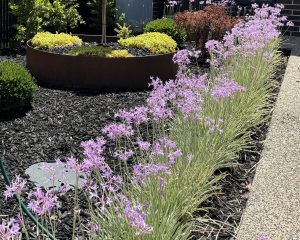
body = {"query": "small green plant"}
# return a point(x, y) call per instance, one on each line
point(44, 15)
point(157, 43)
point(167, 26)
point(46, 40)
point(17, 87)
point(123, 31)
point(99, 51)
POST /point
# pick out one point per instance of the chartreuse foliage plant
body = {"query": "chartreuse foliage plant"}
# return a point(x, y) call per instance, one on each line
point(199, 124)
point(167, 26)
point(34, 16)
point(99, 51)
point(17, 87)
point(46, 40)
point(156, 43)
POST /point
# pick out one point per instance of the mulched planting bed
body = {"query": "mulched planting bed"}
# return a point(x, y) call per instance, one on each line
point(226, 209)
point(113, 45)
point(55, 126)
point(60, 120)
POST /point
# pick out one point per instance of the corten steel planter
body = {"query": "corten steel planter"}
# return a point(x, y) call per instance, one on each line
point(90, 72)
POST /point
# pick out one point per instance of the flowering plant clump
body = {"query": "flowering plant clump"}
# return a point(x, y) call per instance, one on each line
point(199, 122)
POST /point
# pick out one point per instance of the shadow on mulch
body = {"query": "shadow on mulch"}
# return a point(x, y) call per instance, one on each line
point(14, 114)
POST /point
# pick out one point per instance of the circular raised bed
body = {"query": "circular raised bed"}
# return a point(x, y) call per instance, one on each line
point(90, 72)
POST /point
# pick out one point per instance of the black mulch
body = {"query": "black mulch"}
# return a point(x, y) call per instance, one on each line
point(54, 127)
point(226, 209)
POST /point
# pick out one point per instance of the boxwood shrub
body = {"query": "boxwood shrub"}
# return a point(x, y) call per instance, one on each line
point(155, 42)
point(167, 26)
point(47, 40)
point(17, 86)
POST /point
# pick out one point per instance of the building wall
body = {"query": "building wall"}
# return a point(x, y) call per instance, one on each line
point(158, 6)
point(292, 11)
point(137, 12)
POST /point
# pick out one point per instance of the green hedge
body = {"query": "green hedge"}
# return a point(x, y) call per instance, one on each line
point(167, 26)
point(17, 86)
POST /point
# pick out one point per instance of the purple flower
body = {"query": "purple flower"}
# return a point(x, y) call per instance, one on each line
point(124, 155)
point(117, 130)
point(92, 147)
point(126, 116)
point(43, 202)
point(73, 164)
point(16, 188)
point(143, 145)
point(225, 88)
point(136, 215)
point(10, 229)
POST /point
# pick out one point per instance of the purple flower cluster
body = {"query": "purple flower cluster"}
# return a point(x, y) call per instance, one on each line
point(162, 147)
point(118, 130)
point(16, 188)
point(225, 88)
point(43, 202)
point(137, 115)
point(183, 95)
point(136, 215)
point(249, 36)
point(10, 229)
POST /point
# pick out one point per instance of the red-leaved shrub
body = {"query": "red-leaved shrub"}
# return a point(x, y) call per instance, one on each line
point(210, 23)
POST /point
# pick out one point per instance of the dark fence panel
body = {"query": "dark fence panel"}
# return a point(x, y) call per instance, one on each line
point(6, 25)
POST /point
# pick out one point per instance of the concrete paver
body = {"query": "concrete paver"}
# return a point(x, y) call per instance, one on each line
point(274, 205)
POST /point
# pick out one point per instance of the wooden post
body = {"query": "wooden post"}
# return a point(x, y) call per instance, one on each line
point(104, 5)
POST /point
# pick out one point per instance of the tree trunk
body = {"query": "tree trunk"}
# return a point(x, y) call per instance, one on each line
point(104, 5)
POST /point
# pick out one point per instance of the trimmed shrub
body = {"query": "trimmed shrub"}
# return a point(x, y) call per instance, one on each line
point(17, 87)
point(157, 43)
point(47, 40)
point(99, 51)
point(167, 26)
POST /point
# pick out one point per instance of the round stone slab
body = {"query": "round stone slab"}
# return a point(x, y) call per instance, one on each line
point(52, 175)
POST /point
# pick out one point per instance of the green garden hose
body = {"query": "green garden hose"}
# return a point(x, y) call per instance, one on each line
point(23, 206)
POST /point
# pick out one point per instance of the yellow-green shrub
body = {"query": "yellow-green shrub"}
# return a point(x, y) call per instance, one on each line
point(119, 54)
point(47, 40)
point(155, 42)
point(99, 51)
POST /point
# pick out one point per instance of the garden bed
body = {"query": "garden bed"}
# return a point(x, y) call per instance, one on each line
point(90, 72)
point(59, 121)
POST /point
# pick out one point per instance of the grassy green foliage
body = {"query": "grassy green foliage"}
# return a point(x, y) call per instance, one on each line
point(46, 40)
point(167, 26)
point(193, 182)
point(44, 15)
point(99, 51)
point(17, 87)
point(157, 43)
